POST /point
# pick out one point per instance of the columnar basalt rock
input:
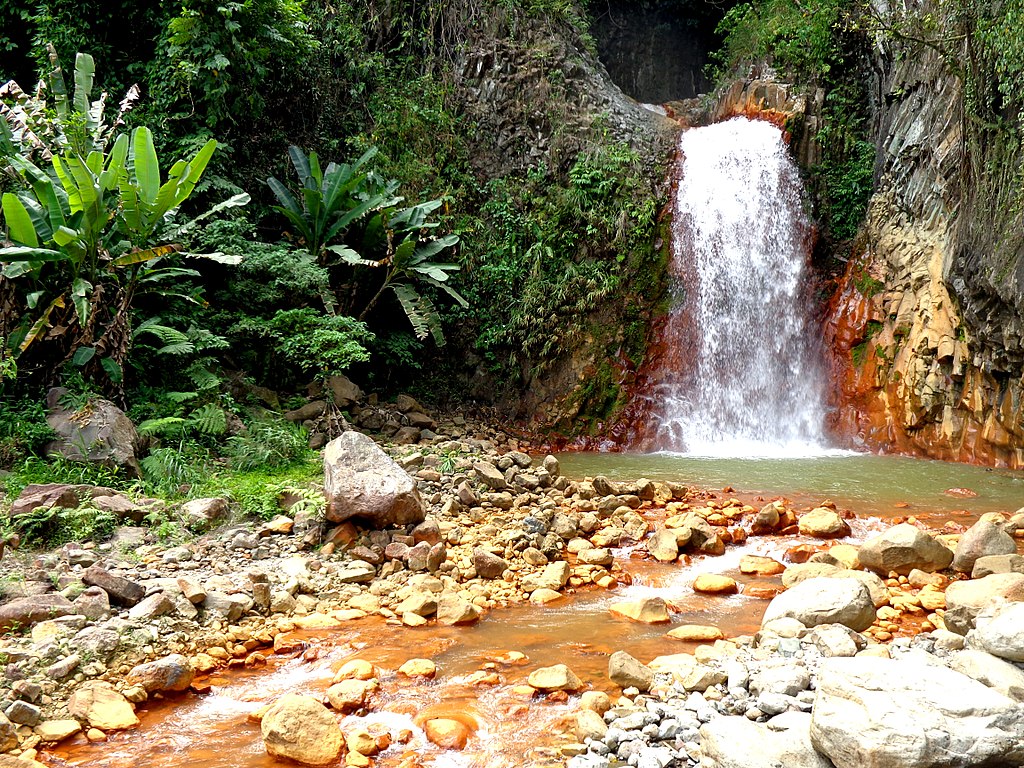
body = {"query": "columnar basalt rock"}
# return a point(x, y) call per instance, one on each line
point(926, 328)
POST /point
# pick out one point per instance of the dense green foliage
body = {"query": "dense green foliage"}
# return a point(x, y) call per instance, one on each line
point(373, 244)
point(817, 45)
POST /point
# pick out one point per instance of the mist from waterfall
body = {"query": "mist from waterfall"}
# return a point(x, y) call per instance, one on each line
point(743, 375)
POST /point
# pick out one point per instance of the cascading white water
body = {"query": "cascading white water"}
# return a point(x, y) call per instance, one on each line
point(752, 383)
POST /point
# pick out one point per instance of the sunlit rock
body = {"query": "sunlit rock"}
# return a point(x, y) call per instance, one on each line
point(301, 729)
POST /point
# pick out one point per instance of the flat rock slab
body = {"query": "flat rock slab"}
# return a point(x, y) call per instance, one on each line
point(25, 611)
point(121, 590)
point(735, 742)
point(910, 713)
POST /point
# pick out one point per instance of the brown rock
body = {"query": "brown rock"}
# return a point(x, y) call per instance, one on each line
point(446, 733)
point(715, 584)
point(121, 590)
point(300, 728)
point(101, 706)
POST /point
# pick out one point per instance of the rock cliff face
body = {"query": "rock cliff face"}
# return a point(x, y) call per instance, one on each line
point(539, 94)
point(925, 329)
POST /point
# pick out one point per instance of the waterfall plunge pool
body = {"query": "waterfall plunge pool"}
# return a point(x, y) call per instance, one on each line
point(868, 484)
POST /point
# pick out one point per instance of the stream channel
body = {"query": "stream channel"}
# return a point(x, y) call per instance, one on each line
point(479, 666)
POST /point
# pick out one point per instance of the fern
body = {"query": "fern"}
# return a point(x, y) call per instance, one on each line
point(174, 342)
point(202, 376)
point(268, 444)
point(209, 420)
point(168, 426)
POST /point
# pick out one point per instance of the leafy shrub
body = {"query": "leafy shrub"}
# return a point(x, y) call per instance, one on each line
point(56, 526)
point(314, 342)
point(23, 431)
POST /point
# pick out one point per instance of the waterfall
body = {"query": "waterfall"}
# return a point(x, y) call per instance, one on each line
point(741, 375)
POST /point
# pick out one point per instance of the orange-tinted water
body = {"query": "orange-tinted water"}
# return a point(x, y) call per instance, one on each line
point(476, 680)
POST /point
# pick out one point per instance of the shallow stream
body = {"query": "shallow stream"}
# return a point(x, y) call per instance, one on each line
point(213, 731)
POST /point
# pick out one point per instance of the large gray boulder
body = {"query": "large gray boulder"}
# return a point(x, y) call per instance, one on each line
point(735, 742)
point(1001, 675)
point(911, 713)
point(966, 599)
point(824, 600)
point(988, 536)
point(999, 630)
point(99, 432)
point(360, 480)
point(902, 549)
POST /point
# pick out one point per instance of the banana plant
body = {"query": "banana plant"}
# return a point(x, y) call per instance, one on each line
point(53, 120)
point(330, 201)
point(410, 260)
point(88, 234)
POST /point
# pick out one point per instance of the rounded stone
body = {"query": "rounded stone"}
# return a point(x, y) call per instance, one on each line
point(715, 584)
point(302, 729)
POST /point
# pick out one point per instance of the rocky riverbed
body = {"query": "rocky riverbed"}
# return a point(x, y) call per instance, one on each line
point(453, 528)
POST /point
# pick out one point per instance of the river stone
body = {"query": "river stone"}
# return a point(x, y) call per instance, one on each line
point(662, 545)
point(823, 523)
point(876, 587)
point(487, 564)
point(825, 601)
point(999, 630)
point(172, 673)
point(596, 556)
point(699, 633)
point(8, 733)
point(649, 610)
point(627, 672)
point(795, 574)
point(350, 694)
point(1002, 676)
point(903, 548)
point(418, 668)
point(202, 513)
point(715, 584)
point(97, 703)
point(762, 566)
point(24, 611)
point(94, 604)
point(988, 536)
point(51, 731)
point(360, 480)
point(735, 742)
point(966, 599)
point(554, 576)
point(589, 725)
point(446, 733)
point(911, 713)
point(544, 596)
point(452, 610)
point(120, 590)
point(989, 564)
point(300, 728)
point(556, 678)
point(766, 520)
point(489, 475)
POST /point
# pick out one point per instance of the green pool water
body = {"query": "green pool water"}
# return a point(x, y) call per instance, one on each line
point(865, 483)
